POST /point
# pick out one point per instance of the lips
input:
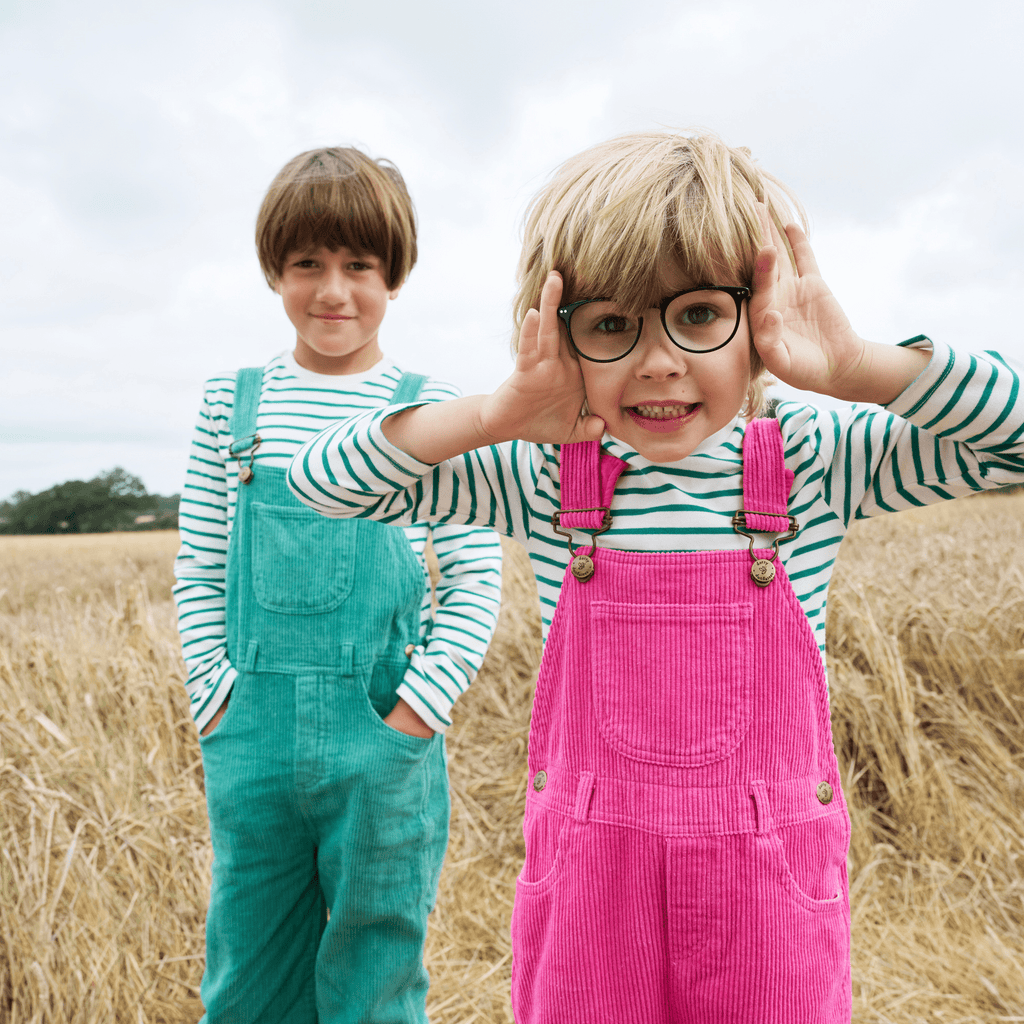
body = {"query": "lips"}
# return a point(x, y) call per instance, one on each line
point(330, 317)
point(662, 417)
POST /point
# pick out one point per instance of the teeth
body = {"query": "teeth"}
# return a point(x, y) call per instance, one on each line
point(661, 412)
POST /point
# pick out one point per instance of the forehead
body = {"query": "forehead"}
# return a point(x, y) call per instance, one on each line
point(672, 278)
point(343, 252)
point(669, 278)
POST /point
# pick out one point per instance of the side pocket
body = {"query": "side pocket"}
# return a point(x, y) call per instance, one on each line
point(232, 700)
point(813, 859)
point(380, 699)
point(302, 561)
point(546, 834)
point(382, 687)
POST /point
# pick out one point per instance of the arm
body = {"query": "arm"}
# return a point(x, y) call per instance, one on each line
point(452, 462)
point(541, 402)
point(958, 429)
point(804, 337)
point(954, 422)
point(199, 570)
point(351, 469)
point(457, 638)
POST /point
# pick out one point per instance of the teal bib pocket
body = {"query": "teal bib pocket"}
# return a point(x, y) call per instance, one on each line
point(302, 561)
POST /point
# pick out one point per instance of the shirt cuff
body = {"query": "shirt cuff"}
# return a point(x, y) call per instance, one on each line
point(421, 707)
point(221, 692)
point(399, 460)
point(919, 392)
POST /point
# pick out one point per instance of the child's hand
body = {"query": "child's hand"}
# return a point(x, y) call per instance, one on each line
point(543, 399)
point(402, 718)
point(218, 715)
point(797, 325)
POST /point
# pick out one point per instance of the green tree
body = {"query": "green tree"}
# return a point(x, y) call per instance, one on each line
point(109, 501)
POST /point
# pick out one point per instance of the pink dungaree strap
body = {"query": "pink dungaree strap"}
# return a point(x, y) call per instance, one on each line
point(766, 480)
point(589, 475)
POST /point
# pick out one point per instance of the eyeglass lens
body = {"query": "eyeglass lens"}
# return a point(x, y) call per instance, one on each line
point(697, 321)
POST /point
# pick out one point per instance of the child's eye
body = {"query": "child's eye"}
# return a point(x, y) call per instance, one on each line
point(612, 325)
point(304, 264)
point(698, 316)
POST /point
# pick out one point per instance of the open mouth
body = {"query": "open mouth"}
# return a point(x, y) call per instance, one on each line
point(662, 417)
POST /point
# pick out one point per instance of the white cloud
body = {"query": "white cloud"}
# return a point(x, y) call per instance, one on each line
point(136, 142)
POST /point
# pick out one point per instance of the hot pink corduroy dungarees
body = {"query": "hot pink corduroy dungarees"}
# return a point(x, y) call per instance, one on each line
point(686, 832)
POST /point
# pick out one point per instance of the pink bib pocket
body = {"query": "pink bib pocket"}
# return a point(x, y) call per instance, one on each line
point(672, 681)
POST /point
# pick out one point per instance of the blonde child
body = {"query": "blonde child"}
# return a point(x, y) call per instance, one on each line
point(686, 831)
point(320, 679)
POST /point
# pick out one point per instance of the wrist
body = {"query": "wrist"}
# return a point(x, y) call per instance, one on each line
point(437, 431)
point(883, 374)
point(404, 719)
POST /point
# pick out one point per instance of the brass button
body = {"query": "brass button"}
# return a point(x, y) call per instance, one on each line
point(582, 567)
point(409, 648)
point(824, 792)
point(540, 780)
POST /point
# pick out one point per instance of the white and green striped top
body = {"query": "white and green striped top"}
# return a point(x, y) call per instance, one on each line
point(296, 404)
point(958, 428)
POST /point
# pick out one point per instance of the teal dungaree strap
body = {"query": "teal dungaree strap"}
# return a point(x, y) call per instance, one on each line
point(315, 804)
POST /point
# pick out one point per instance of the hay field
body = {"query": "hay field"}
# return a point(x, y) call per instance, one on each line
point(104, 855)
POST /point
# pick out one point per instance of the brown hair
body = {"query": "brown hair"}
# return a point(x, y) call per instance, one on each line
point(612, 213)
point(337, 197)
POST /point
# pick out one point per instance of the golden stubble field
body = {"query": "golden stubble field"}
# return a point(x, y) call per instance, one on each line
point(104, 855)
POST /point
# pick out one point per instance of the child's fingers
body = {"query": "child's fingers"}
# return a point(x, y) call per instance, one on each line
point(770, 236)
point(768, 341)
point(802, 251)
point(765, 277)
point(785, 267)
point(527, 348)
point(549, 337)
point(767, 228)
point(588, 428)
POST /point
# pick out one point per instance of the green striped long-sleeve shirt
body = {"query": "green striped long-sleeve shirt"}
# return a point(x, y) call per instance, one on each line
point(295, 405)
point(958, 428)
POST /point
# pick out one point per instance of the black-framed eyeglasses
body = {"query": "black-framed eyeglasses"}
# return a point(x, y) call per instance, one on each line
point(696, 320)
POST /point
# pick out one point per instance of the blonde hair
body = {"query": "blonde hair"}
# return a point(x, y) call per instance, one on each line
point(611, 214)
point(337, 197)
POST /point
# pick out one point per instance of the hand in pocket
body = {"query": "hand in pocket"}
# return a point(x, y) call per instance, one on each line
point(212, 723)
point(403, 719)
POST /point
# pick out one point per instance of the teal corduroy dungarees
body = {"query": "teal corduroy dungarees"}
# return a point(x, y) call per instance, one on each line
point(314, 803)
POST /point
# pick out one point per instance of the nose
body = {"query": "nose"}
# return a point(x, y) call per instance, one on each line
point(332, 286)
point(658, 357)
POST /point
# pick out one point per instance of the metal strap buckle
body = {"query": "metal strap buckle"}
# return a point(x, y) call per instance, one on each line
point(556, 521)
point(582, 564)
point(739, 524)
point(245, 473)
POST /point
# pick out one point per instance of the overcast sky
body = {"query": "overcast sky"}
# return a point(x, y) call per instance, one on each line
point(137, 139)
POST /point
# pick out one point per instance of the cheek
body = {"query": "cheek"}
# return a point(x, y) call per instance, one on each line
point(599, 384)
point(291, 296)
point(731, 377)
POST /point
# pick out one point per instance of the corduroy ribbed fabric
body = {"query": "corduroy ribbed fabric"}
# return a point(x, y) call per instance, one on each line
point(314, 802)
point(684, 862)
point(588, 479)
point(765, 492)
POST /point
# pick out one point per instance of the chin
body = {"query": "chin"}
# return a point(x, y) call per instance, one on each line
point(663, 455)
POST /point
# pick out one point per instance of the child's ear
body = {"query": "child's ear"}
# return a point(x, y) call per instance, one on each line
point(393, 294)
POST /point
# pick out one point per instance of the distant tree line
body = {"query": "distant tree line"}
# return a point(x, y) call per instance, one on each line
point(114, 500)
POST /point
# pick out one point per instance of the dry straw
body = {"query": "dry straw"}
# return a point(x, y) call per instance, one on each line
point(104, 859)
